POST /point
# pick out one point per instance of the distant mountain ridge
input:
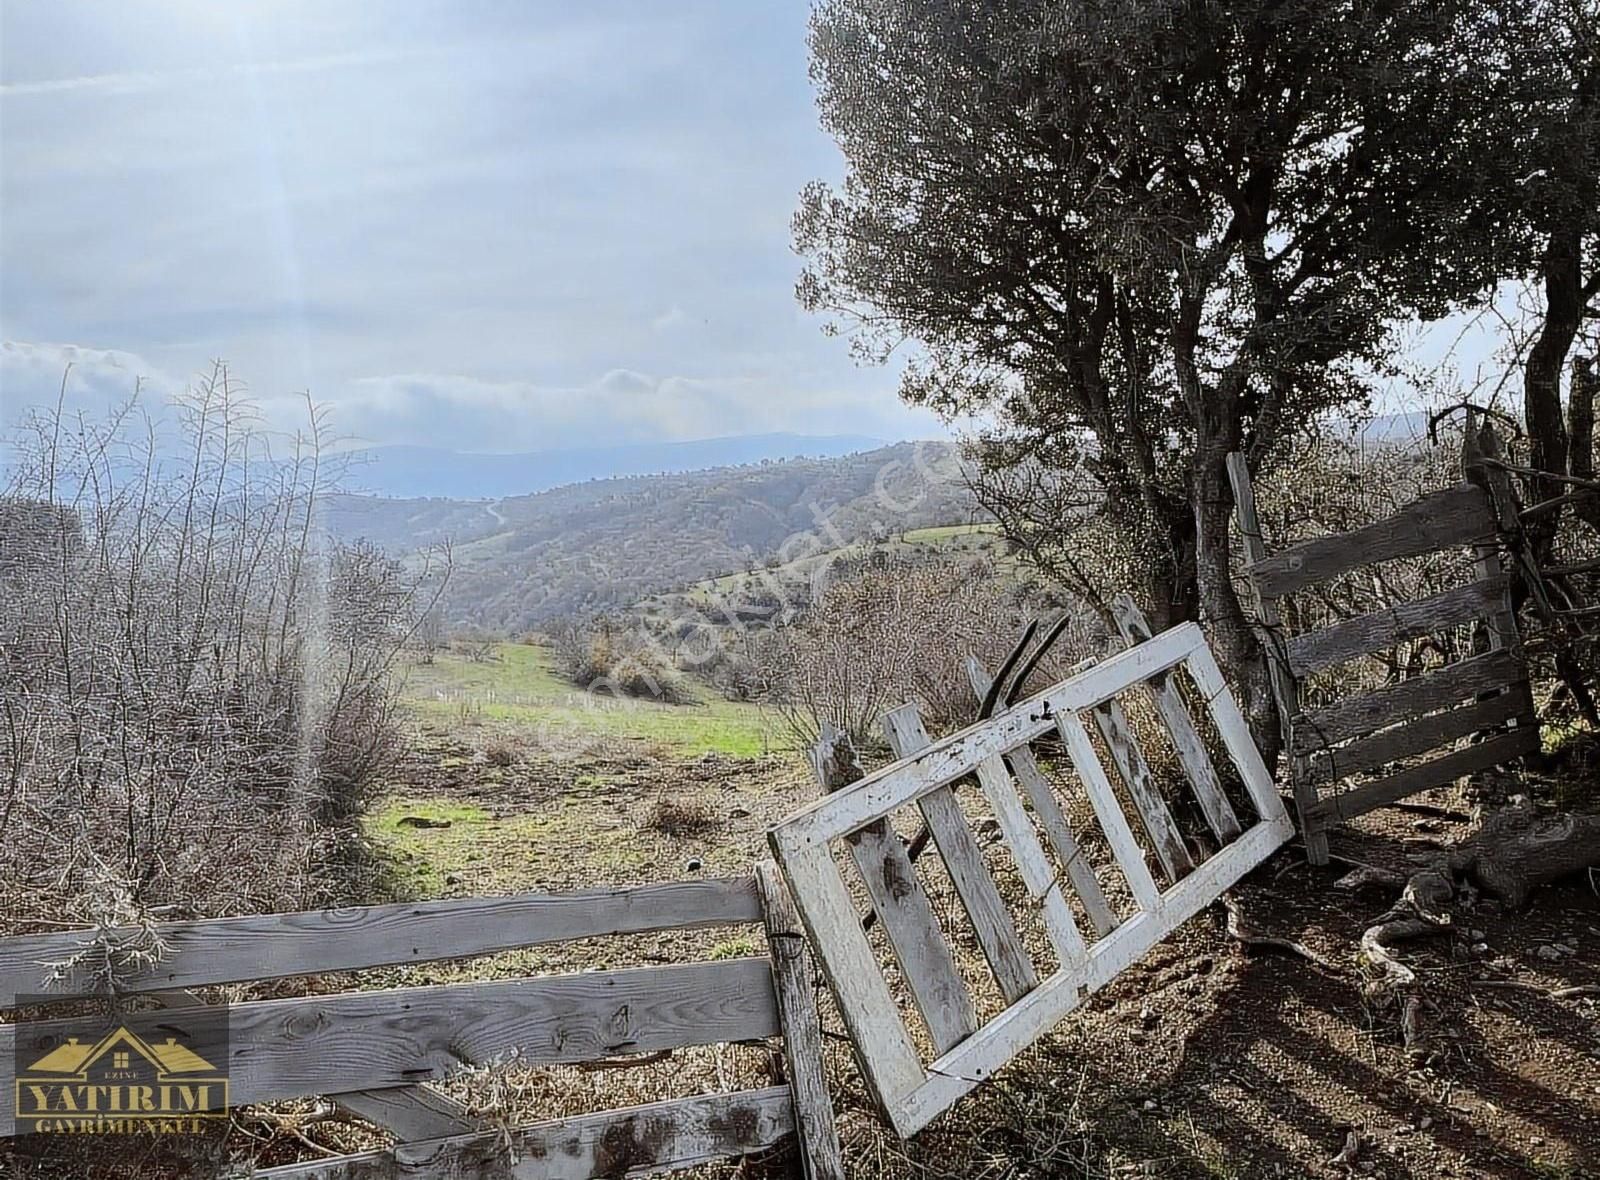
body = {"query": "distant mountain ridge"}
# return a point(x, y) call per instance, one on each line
point(520, 561)
point(412, 471)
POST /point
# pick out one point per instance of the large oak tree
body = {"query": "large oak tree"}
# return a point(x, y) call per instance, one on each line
point(1136, 235)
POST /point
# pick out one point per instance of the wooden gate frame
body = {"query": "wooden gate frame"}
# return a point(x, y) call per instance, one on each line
point(289, 1048)
point(1327, 745)
point(910, 1092)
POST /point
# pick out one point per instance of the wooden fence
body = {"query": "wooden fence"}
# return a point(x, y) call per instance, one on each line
point(855, 819)
point(370, 1050)
point(1485, 697)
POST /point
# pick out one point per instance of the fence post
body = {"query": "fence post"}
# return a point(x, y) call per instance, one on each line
point(816, 1136)
point(1283, 685)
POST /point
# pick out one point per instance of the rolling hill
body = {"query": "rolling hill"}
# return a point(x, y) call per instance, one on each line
point(435, 471)
point(523, 560)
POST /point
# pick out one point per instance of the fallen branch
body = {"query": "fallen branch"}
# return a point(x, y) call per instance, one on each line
point(1241, 930)
point(1367, 875)
point(609, 1063)
point(1555, 993)
point(1418, 914)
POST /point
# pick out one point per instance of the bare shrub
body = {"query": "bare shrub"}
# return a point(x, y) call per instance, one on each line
point(891, 631)
point(681, 818)
point(479, 647)
point(194, 690)
point(500, 754)
point(605, 655)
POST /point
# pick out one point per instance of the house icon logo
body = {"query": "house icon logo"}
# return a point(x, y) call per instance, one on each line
point(119, 1083)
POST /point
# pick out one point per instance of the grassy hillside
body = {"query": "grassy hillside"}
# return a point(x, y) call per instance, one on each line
point(517, 693)
point(793, 580)
point(605, 544)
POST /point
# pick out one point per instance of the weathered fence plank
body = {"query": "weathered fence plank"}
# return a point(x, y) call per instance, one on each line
point(958, 1072)
point(1407, 620)
point(1053, 819)
point(960, 753)
point(410, 1112)
point(1421, 735)
point(1393, 703)
point(1186, 740)
point(371, 1051)
point(1130, 857)
point(992, 923)
point(1435, 772)
point(1037, 877)
point(913, 932)
point(1135, 774)
point(847, 960)
point(1269, 632)
point(632, 1141)
point(275, 946)
point(371, 1040)
point(1462, 516)
point(1456, 516)
point(795, 985)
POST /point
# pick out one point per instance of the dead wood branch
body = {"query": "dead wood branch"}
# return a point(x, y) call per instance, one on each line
point(1370, 875)
point(1242, 930)
point(1518, 849)
point(1418, 914)
point(1555, 993)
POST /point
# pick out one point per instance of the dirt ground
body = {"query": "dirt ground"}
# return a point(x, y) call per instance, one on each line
point(1208, 1058)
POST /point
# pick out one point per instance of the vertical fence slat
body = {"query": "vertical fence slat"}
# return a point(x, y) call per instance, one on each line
point(1115, 825)
point(1134, 771)
point(992, 923)
point(1054, 821)
point(1186, 740)
point(1023, 841)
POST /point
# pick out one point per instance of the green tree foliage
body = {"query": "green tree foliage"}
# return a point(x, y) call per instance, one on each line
point(1140, 234)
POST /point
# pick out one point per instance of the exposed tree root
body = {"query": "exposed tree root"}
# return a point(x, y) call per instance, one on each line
point(1242, 930)
point(1418, 913)
point(1351, 1149)
point(1518, 849)
point(1515, 851)
point(1365, 875)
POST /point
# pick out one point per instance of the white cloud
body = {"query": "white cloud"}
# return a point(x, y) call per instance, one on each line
point(507, 228)
point(469, 413)
point(96, 379)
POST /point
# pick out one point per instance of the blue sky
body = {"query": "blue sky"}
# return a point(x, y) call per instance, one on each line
point(491, 226)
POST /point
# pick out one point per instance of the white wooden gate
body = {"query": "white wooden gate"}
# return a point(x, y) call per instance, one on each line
point(964, 1052)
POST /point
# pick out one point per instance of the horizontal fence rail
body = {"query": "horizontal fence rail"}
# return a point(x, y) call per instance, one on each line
point(633, 1141)
point(276, 946)
point(1455, 517)
point(372, 1050)
point(1381, 733)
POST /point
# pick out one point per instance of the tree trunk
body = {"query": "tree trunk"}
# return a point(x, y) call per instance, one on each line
point(1519, 848)
point(1548, 441)
point(1580, 412)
